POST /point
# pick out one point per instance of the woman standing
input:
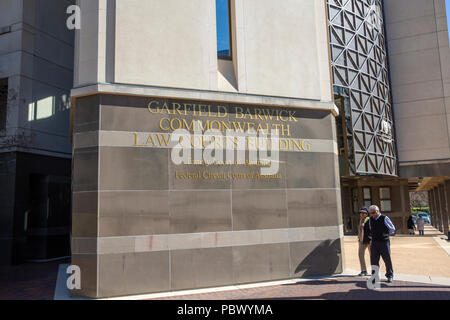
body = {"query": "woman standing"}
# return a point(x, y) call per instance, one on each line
point(363, 239)
point(421, 225)
point(411, 226)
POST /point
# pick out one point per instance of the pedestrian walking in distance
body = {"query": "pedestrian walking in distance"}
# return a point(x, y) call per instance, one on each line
point(381, 228)
point(363, 239)
point(421, 226)
point(411, 225)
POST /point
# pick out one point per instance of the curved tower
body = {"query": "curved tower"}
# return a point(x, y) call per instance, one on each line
point(361, 86)
point(368, 157)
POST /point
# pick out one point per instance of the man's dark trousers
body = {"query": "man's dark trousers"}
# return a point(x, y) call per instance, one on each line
point(383, 249)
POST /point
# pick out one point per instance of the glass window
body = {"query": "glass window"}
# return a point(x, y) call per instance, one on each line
point(223, 29)
point(385, 199)
point(345, 132)
point(447, 8)
point(386, 205)
point(367, 197)
point(385, 193)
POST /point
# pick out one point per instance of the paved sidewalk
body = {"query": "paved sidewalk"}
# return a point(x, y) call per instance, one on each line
point(412, 255)
point(336, 288)
point(30, 281)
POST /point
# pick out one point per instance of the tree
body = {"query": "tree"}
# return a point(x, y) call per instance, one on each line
point(418, 199)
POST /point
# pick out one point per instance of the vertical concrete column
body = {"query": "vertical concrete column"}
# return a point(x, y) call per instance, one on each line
point(85, 195)
point(404, 196)
point(437, 206)
point(446, 219)
point(441, 206)
point(444, 210)
point(355, 217)
point(432, 208)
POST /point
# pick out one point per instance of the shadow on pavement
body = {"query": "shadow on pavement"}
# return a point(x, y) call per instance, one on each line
point(362, 284)
point(323, 260)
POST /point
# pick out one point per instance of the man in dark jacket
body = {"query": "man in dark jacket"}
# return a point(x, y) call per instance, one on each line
point(381, 228)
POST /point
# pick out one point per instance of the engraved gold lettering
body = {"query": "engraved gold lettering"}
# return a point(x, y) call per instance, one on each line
point(239, 112)
point(163, 139)
point(153, 104)
point(177, 122)
point(292, 116)
point(268, 114)
point(161, 124)
point(136, 141)
point(306, 145)
point(281, 116)
point(150, 139)
point(221, 114)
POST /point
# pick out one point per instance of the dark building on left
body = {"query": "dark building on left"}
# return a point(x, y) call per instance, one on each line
point(36, 75)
